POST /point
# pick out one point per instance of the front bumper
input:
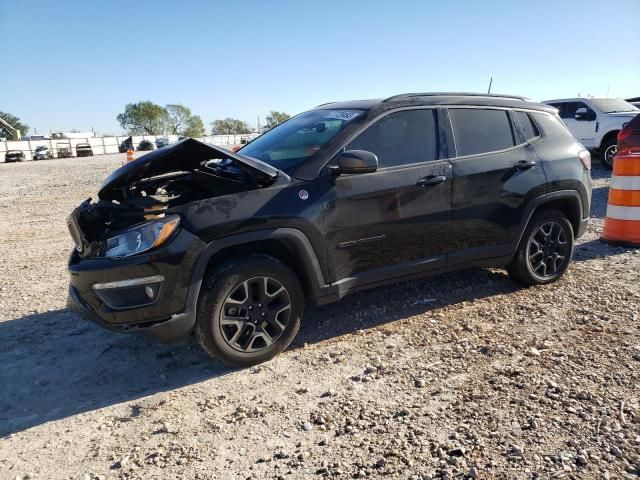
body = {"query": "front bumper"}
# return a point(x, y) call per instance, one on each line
point(175, 329)
point(144, 293)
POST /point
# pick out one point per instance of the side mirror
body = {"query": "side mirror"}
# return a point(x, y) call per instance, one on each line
point(357, 161)
point(582, 114)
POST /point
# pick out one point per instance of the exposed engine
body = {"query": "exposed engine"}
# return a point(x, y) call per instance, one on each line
point(132, 196)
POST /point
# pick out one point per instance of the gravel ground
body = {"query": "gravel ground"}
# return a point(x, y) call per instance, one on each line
point(459, 376)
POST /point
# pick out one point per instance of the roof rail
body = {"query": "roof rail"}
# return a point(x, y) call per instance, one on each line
point(323, 104)
point(451, 94)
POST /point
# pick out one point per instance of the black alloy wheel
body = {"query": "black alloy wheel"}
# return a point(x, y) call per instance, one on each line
point(545, 249)
point(548, 249)
point(249, 310)
point(255, 314)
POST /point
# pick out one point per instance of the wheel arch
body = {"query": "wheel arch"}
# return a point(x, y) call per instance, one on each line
point(613, 134)
point(568, 202)
point(288, 245)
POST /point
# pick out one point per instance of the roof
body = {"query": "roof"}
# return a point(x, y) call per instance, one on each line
point(578, 99)
point(437, 98)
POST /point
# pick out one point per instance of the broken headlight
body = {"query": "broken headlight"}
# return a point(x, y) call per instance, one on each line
point(141, 237)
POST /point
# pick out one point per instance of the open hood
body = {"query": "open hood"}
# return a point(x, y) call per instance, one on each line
point(186, 155)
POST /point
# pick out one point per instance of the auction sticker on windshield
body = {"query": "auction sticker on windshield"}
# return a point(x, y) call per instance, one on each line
point(346, 115)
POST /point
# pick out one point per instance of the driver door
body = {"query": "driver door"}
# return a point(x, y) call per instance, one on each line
point(395, 221)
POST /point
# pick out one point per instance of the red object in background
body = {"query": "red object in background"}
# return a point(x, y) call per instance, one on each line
point(629, 138)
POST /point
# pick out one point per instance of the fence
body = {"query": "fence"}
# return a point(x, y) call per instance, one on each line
point(104, 145)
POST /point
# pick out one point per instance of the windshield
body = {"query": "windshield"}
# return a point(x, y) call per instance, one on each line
point(289, 144)
point(613, 105)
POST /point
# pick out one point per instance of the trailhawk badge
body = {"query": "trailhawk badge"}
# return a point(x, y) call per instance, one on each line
point(303, 194)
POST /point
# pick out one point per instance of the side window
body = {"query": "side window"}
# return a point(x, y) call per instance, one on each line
point(401, 138)
point(480, 131)
point(568, 110)
point(529, 128)
point(552, 127)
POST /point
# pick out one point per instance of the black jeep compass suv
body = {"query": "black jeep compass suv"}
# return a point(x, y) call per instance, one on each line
point(192, 238)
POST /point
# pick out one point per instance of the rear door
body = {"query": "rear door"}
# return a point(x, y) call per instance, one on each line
point(495, 173)
point(392, 222)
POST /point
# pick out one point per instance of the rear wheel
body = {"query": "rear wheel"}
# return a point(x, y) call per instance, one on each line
point(545, 249)
point(607, 152)
point(249, 310)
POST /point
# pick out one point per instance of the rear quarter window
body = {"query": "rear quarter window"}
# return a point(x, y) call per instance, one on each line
point(479, 131)
point(528, 127)
point(551, 126)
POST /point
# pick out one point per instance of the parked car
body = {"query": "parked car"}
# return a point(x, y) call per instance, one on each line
point(84, 150)
point(42, 153)
point(595, 122)
point(64, 151)
point(14, 156)
point(162, 142)
point(629, 138)
point(126, 144)
point(145, 145)
point(348, 196)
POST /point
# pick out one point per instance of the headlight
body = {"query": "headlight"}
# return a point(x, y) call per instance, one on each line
point(142, 237)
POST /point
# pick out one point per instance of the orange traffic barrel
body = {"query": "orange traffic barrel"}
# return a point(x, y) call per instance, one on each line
point(622, 223)
point(131, 156)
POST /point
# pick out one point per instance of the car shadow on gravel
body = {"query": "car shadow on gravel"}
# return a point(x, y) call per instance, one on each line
point(599, 198)
point(55, 365)
point(598, 171)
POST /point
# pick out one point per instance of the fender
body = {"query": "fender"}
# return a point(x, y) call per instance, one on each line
point(295, 238)
point(547, 198)
point(613, 133)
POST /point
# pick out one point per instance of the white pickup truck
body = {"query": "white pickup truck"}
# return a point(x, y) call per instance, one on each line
point(595, 122)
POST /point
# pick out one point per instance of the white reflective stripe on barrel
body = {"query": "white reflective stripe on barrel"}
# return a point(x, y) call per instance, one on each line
point(625, 183)
point(623, 213)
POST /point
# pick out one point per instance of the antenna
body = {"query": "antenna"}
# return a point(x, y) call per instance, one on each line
point(490, 82)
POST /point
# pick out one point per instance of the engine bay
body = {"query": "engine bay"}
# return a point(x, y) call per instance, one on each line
point(151, 192)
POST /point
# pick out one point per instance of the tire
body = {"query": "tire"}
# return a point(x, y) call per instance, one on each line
point(607, 151)
point(238, 290)
point(551, 226)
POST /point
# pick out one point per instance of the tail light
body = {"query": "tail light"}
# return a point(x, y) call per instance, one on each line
point(629, 137)
point(585, 158)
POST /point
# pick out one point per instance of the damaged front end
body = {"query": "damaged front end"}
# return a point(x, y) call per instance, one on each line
point(134, 210)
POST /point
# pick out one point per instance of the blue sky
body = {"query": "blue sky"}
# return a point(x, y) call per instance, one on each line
point(75, 64)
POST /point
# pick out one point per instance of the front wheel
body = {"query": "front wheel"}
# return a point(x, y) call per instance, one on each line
point(607, 152)
point(249, 310)
point(545, 249)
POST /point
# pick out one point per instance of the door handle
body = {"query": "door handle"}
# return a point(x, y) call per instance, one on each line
point(431, 180)
point(524, 164)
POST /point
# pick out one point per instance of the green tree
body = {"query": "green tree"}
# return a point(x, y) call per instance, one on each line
point(276, 118)
point(195, 127)
point(179, 119)
point(143, 118)
point(15, 122)
point(229, 126)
